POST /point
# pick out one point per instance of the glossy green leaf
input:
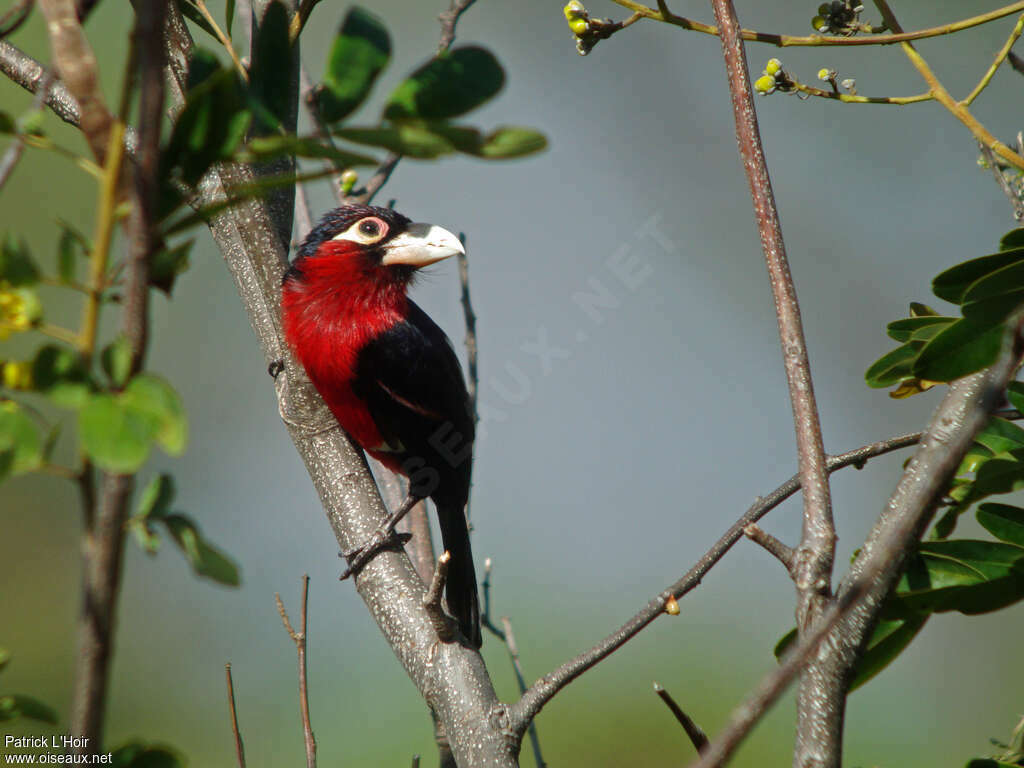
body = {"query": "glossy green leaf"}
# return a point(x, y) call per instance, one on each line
point(58, 373)
point(360, 52)
point(206, 559)
point(17, 267)
point(976, 456)
point(16, 706)
point(1015, 394)
point(965, 347)
point(153, 396)
point(167, 263)
point(510, 141)
point(137, 754)
point(894, 366)
point(1009, 279)
point(1012, 240)
point(1002, 474)
point(963, 575)
point(270, 74)
point(116, 436)
point(1000, 436)
point(20, 438)
point(268, 147)
point(1004, 522)
point(952, 284)
point(902, 330)
point(410, 139)
point(447, 86)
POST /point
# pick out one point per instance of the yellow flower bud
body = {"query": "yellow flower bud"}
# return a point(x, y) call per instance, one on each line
point(574, 10)
point(579, 27)
point(764, 84)
point(772, 67)
point(824, 74)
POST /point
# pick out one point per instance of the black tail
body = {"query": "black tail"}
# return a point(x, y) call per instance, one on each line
point(460, 590)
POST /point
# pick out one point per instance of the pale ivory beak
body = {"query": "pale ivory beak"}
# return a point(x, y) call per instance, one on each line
point(420, 245)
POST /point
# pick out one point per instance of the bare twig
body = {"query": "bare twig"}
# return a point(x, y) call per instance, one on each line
point(300, 639)
point(812, 569)
point(781, 551)
point(784, 41)
point(432, 600)
point(239, 748)
point(14, 17)
point(1015, 201)
point(513, 654)
point(473, 377)
point(693, 731)
point(541, 692)
point(365, 195)
point(448, 21)
point(22, 69)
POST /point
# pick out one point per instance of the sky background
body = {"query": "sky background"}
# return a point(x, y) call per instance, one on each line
point(599, 478)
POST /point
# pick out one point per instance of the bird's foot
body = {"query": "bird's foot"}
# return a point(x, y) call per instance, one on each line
point(382, 538)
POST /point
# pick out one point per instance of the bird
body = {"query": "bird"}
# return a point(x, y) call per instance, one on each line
point(387, 372)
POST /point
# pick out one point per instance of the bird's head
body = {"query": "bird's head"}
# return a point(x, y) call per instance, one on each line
point(369, 246)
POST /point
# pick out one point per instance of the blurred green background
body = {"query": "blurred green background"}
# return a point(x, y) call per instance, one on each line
point(601, 476)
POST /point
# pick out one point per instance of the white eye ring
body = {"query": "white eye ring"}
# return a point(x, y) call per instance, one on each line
point(366, 231)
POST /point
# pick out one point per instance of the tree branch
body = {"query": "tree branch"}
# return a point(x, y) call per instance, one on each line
point(451, 677)
point(239, 748)
point(693, 731)
point(448, 21)
point(299, 638)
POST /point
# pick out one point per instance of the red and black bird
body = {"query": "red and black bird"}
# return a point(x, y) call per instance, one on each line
point(386, 370)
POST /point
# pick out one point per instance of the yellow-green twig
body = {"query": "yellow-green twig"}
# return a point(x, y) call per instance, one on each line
point(300, 18)
point(850, 98)
point(999, 59)
point(42, 142)
point(101, 243)
point(784, 41)
point(57, 332)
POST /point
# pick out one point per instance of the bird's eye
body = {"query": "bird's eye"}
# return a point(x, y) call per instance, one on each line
point(369, 227)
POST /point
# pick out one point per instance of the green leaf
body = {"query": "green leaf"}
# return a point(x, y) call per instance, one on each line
point(7, 124)
point(268, 147)
point(965, 347)
point(1002, 474)
point(205, 558)
point(270, 73)
point(212, 123)
point(952, 284)
point(1015, 394)
point(72, 245)
point(412, 139)
point(229, 16)
point(154, 397)
point(58, 373)
point(989, 762)
point(18, 706)
point(16, 264)
point(511, 141)
point(157, 497)
point(1009, 279)
point(894, 366)
point(902, 330)
point(114, 435)
point(19, 436)
point(116, 359)
point(447, 86)
point(887, 642)
point(138, 754)
point(1001, 436)
point(192, 14)
point(167, 263)
point(359, 54)
point(1012, 240)
point(1004, 522)
point(5, 658)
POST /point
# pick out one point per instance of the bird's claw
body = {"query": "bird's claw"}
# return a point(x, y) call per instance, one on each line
point(361, 555)
point(275, 368)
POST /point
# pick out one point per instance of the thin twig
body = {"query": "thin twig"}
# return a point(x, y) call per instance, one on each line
point(781, 551)
point(1004, 184)
point(432, 600)
point(473, 377)
point(239, 748)
point(513, 654)
point(448, 21)
point(14, 17)
point(300, 639)
point(17, 146)
point(819, 714)
point(785, 41)
point(693, 731)
point(1015, 33)
point(380, 177)
point(542, 691)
